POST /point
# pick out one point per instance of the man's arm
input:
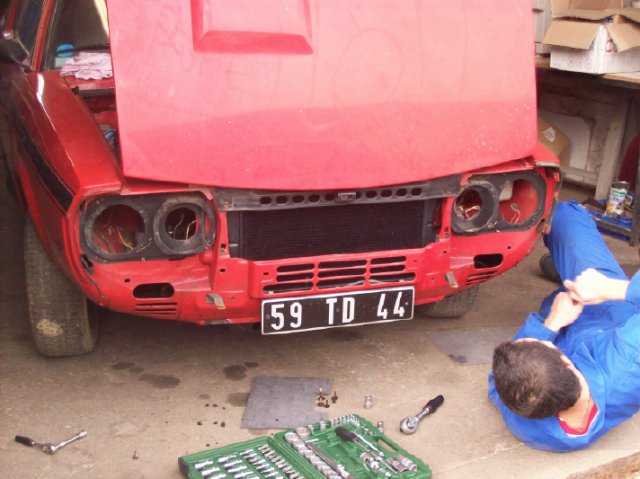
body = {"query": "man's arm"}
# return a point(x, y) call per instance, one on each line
point(563, 312)
point(593, 287)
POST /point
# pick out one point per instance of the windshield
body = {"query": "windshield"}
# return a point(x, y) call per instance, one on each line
point(76, 26)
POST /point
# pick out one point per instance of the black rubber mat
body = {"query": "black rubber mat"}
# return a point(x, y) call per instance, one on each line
point(277, 402)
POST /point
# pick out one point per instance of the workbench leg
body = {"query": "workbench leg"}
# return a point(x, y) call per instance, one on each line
point(612, 147)
point(634, 239)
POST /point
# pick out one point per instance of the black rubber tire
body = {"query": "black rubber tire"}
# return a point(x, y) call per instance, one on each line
point(452, 306)
point(63, 322)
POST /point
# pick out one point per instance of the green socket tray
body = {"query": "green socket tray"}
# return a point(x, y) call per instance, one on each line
point(347, 447)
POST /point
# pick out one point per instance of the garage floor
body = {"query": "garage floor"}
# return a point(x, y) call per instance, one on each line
point(153, 391)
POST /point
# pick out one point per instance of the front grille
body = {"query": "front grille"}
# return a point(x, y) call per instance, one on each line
point(340, 274)
point(339, 229)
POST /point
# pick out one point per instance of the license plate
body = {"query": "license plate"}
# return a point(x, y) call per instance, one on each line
point(289, 315)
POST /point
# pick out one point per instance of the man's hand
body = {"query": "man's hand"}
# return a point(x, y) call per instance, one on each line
point(593, 287)
point(564, 311)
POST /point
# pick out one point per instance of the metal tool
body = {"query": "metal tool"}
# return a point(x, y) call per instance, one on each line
point(406, 462)
point(373, 464)
point(202, 465)
point(339, 468)
point(409, 424)
point(366, 446)
point(48, 447)
point(351, 436)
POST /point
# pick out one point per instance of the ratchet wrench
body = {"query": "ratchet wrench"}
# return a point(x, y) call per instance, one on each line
point(49, 448)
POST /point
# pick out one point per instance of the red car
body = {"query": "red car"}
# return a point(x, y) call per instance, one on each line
point(300, 163)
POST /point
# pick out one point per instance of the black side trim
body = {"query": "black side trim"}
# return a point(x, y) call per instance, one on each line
point(60, 192)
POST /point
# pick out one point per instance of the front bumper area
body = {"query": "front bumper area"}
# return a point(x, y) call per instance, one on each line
point(186, 293)
point(440, 237)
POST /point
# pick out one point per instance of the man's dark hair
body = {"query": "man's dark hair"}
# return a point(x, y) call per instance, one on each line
point(533, 380)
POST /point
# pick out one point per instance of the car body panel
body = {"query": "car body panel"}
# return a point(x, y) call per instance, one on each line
point(300, 94)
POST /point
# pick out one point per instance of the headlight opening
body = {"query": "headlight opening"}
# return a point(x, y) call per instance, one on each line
point(501, 202)
point(119, 228)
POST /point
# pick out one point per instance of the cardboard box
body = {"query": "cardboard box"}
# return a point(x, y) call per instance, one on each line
point(555, 140)
point(594, 36)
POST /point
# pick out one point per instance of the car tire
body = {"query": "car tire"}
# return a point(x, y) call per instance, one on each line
point(452, 306)
point(63, 322)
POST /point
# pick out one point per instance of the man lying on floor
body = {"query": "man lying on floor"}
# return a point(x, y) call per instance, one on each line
point(572, 372)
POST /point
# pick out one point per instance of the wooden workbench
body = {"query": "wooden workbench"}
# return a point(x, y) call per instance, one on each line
point(625, 90)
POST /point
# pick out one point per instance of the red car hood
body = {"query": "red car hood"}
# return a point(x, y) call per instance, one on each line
point(321, 94)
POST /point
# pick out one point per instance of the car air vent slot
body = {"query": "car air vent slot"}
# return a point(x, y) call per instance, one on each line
point(282, 278)
point(287, 288)
point(342, 264)
point(478, 278)
point(290, 268)
point(164, 309)
point(391, 259)
point(340, 283)
point(392, 278)
point(343, 272)
point(387, 269)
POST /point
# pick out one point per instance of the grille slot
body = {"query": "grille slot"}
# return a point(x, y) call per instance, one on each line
point(392, 278)
point(340, 283)
point(291, 268)
point(344, 272)
point(164, 309)
point(293, 277)
point(344, 229)
point(287, 288)
point(478, 278)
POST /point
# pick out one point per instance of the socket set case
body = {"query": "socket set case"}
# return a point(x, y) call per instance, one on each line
point(347, 447)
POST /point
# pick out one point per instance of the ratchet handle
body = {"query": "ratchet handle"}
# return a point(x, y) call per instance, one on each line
point(434, 404)
point(27, 441)
point(345, 434)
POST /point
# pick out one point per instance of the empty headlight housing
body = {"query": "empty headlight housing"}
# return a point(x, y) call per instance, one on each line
point(120, 228)
point(501, 202)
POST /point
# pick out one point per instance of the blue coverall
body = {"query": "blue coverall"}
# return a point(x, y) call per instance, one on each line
point(603, 343)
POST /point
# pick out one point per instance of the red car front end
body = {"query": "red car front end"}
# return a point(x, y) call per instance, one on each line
point(305, 164)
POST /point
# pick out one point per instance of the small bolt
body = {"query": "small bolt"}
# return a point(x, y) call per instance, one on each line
point(368, 401)
point(326, 404)
point(320, 395)
point(334, 398)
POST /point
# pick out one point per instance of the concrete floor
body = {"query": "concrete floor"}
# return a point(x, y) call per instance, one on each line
point(146, 394)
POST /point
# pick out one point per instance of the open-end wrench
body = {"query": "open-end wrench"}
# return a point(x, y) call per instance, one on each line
point(49, 448)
